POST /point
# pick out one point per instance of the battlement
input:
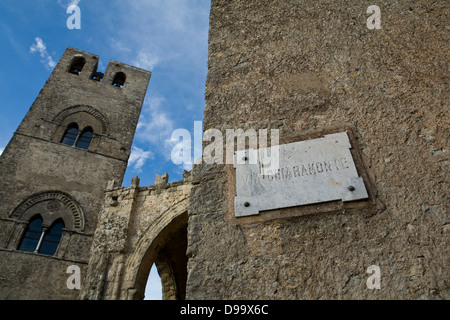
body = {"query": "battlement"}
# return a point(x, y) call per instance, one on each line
point(80, 98)
point(81, 67)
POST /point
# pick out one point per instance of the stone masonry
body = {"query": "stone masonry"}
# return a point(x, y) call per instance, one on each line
point(313, 67)
point(140, 226)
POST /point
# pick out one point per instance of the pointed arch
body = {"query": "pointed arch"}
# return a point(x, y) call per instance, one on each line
point(52, 238)
point(32, 234)
point(148, 250)
point(85, 138)
point(70, 135)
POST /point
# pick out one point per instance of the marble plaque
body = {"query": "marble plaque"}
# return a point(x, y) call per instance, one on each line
point(296, 174)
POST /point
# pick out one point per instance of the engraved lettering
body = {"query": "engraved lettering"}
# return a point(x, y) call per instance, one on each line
point(319, 167)
point(304, 171)
point(286, 173)
point(278, 175)
point(326, 173)
point(336, 164)
point(344, 163)
point(327, 166)
point(296, 171)
point(312, 169)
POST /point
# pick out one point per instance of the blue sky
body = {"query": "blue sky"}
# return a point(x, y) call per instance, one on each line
point(169, 38)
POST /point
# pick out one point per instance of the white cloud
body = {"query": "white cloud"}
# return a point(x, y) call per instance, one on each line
point(138, 157)
point(181, 37)
point(145, 60)
point(67, 3)
point(118, 45)
point(1, 150)
point(173, 36)
point(154, 125)
point(39, 46)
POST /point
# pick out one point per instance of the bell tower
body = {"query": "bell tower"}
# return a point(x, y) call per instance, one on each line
point(72, 145)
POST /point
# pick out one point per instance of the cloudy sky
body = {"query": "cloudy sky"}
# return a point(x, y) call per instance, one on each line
point(168, 38)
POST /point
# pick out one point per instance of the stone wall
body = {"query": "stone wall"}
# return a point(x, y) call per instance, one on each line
point(309, 66)
point(28, 276)
point(139, 226)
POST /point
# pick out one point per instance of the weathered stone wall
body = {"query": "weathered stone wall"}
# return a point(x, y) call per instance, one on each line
point(137, 226)
point(303, 67)
point(28, 276)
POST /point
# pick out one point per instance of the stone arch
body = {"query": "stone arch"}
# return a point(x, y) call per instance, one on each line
point(82, 108)
point(167, 275)
point(150, 249)
point(77, 64)
point(135, 231)
point(56, 204)
point(119, 79)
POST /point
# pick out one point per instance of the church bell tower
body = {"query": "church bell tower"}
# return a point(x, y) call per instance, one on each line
point(74, 141)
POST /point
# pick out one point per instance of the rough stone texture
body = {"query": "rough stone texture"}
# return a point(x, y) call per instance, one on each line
point(138, 227)
point(35, 169)
point(302, 66)
point(30, 276)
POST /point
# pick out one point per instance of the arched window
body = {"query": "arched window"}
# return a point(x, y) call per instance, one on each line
point(40, 240)
point(77, 65)
point(71, 134)
point(51, 239)
point(119, 80)
point(85, 138)
point(73, 138)
point(32, 235)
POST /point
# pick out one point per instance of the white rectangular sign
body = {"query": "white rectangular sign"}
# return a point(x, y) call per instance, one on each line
point(295, 174)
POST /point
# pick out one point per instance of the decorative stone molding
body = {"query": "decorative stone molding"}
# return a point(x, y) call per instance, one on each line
point(54, 198)
point(82, 108)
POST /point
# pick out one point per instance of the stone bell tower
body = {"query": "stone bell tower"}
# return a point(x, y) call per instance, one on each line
point(74, 141)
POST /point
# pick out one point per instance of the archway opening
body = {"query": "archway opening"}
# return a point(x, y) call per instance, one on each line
point(172, 266)
point(168, 254)
point(153, 289)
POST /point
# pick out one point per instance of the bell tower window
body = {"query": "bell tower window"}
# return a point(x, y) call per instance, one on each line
point(72, 137)
point(38, 239)
point(77, 65)
point(32, 235)
point(119, 80)
point(51, 238)
point(84, 140)
point(71, 134)
point(97, 76)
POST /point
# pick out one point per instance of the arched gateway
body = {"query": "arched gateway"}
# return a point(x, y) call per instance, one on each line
point(138, 227)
